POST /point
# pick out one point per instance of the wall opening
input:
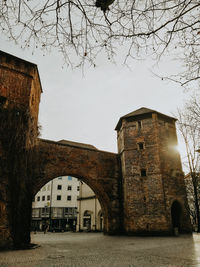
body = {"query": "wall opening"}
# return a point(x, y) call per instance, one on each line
point(66, 204)
point(176, 215)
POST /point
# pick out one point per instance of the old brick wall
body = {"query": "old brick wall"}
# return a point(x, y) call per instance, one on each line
point(20, 90)
point(172, 174)
point(98, 169)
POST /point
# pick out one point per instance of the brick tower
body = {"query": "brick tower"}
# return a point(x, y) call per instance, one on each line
point(153, 185)
point(20, 90)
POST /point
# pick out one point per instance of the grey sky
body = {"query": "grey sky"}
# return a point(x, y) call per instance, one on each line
point(86, 107)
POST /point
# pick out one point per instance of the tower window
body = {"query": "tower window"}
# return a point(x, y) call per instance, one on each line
point(143, 172)
point(139, 125)
point(2, 100)
point(140, 146)
point(43, 198)
point(69, 187)
point(69, 198)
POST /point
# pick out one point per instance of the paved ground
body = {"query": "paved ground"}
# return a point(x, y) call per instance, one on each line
point(95, 249)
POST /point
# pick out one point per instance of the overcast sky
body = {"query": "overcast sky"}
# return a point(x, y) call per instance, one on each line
point(86, 107)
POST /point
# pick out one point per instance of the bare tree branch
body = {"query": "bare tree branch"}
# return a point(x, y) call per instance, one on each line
point(82, 29)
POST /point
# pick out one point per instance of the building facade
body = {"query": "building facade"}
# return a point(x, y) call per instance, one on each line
point(55, 205)
point(90, 217)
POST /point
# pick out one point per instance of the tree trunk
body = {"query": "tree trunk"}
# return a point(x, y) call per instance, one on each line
point(196, 202)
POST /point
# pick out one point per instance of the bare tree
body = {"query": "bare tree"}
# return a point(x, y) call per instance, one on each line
point(189, 127)
point(85, 28)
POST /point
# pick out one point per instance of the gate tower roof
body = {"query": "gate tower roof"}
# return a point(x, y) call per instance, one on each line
point(141, 112)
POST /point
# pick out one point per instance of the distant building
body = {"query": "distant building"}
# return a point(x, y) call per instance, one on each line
point(56, 205)
point(90, 217)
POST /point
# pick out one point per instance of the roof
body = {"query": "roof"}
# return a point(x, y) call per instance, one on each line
point(66, 142)
point(139, 112)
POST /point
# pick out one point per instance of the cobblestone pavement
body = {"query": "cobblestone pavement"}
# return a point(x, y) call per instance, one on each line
point(95, 249)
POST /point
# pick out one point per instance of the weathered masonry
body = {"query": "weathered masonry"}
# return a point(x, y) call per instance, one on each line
point(140, 188)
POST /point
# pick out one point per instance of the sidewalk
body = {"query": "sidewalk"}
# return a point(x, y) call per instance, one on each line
point(95, 249)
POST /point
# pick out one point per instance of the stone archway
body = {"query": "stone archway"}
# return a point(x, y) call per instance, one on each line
point(98, 169)
point(176, 211)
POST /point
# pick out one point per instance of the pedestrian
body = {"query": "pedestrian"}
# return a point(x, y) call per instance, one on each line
point(46, 227)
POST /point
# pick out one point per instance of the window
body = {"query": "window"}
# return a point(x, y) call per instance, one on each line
point(58, 197)
point(69, 187)
point(143, 172)
point(139, 125)
point(69, 198)
point(38, 198)
point(78, 188)
point(59, 187)
point(69, 178)
point(48, 197)
point(43, 188)
point(2, 100)
point(43, 198)
point(60, 178)
point(140, 146)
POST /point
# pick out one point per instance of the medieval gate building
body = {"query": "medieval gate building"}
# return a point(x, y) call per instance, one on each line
point(140, 188)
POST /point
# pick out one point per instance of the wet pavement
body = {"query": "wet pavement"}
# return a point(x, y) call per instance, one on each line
point(96, 249)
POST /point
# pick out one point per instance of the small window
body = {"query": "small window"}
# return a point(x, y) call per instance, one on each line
point(60, 178)
point(59, 187)
point(2, 100)
point(78, 188)
point(69, 187)
point(69, 198)
point(140, 146)
point(69, 178)
point(43, 198)
point(139, 125)
point(48, 197)
point(38, 198)
point(58, 197)
point(143, 172)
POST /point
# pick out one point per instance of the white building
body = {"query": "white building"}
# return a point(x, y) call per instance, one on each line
point(89, 216)
point(56, 204)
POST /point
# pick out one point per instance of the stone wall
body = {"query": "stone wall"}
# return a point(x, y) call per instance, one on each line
point(98, 169)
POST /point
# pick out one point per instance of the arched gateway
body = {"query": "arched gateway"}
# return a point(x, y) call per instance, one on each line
point(136, 186)
point(98, 169)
